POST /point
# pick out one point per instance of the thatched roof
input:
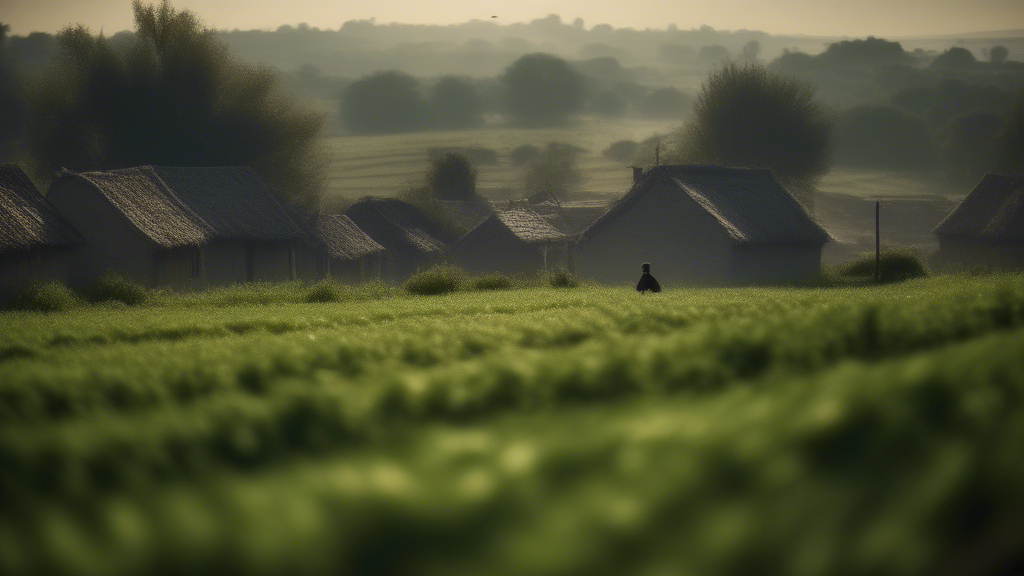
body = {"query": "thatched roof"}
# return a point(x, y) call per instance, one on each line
point(466, 214)
point(190, 206)
point(27, 220)
point(397, 224)
point(528, 226)
point(993, 211)
point(342, 238)
point(749, 203)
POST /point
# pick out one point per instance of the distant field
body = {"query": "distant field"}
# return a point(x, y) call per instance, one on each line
point(871, 430)
point(384, 165)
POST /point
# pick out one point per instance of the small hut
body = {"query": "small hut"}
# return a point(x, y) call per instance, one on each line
point(35, 240)
point(986, 230)
point(412, 240)
point(179, 227)
point(704, 225)
point(510, 242)
point(347, 253)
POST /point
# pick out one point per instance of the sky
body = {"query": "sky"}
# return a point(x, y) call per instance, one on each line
point(889, 18)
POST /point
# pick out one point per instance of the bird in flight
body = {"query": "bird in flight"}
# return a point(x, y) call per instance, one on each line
point(493, 16)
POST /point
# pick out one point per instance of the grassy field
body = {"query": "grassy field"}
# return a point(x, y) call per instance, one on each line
point(856, 430)
point(386, 164)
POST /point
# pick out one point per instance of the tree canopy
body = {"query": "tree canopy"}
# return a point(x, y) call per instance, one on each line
point(747, 115)
point(171, 94)
point(384, 102)
point(456, 103)
point(452, 177)
point(882, 137)
point(541, 89)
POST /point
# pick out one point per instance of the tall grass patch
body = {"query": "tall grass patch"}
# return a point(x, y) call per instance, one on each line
point(114, 288)
point(441, 279)
point(41, 297)
point(494, 281)
point(894, 264)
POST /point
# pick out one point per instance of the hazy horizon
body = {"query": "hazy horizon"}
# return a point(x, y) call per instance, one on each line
point(904, 18)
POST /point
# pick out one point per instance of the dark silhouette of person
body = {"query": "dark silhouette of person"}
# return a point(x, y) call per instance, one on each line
point(647, 282)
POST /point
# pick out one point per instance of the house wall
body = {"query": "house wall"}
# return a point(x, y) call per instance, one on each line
point(112, 242)
point(43, 264)
point(310, 262)
point(492, 248)
point(771, 263)
point(364, 269)
point(273, 261)
point(964, 255)
point(683, 243)
point(180, 268)
point(224, 262)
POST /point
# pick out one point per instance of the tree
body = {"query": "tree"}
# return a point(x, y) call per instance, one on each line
point(171, 95)
point(456, 103)
point(746, 115)
point(867, 52)
point(553, 171)
point(882, 137)
point(384, 102)
point(998, 54)
point(751, 50)
point(452, 177)
point(541, 89)
point(12, 102)
point(955, 57)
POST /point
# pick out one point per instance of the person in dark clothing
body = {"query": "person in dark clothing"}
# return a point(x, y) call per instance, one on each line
point(647, 282)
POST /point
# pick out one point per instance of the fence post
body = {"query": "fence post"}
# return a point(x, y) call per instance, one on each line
point(878, 253)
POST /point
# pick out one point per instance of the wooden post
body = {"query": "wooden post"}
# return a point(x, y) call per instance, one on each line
point(878, 252)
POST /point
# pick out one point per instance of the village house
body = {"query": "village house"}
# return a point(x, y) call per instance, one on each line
point(346, 253)
point(35, 240)
point(179, 227)
point(413, 241)
point(986, 230)
point(704, 225)
point(512, 242)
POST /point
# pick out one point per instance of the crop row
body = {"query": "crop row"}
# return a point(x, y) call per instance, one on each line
point(127, 378)
point(906, 466)
point(324, 408)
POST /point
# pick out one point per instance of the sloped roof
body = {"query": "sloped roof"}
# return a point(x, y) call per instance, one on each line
point(749, 203)
point(464, 213)
point(393, 222)
point(189, 206)
point(994, 210)
point(343, 238)
point(27, 220)
point(528, 226)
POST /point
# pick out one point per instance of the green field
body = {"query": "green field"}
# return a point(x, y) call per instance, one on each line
point(384, 165)
point(850, 430)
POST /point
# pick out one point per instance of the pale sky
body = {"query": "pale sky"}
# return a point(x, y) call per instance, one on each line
point(811, 17)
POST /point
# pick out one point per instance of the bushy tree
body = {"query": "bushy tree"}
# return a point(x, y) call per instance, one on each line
point(955, 57)
point(751, 50)
point(541, 89)
point(882, 137)
point(917, 100)
point(456, 103)
point(171, 95)
point(384, 102)
point(452, 177)
point(747, 115)
point(998, 54)
point(870, 51)
point(12, 102)
point(554, 171)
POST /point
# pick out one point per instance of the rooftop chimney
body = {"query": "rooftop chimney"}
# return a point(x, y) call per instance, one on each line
point(638, 173)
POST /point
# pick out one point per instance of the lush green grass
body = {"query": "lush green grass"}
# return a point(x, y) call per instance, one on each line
point(541, 430)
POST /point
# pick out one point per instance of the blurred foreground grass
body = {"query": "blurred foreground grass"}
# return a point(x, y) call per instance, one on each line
point(719, 431)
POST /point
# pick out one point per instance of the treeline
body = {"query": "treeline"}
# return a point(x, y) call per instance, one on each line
point(901, 109)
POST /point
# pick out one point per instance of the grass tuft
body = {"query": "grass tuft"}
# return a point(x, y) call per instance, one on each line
point(441, 279)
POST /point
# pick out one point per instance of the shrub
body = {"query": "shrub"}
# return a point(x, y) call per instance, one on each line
point(622, 151)
point(43, 297)
point(541, 89)
point(440, 279)
point(327, 291)
point(452, 177)
point(114, 288)
point(894, 264)
point(494, 281)
point(561, 278)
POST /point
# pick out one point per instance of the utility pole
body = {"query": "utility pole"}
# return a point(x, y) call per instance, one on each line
point(878, 252)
